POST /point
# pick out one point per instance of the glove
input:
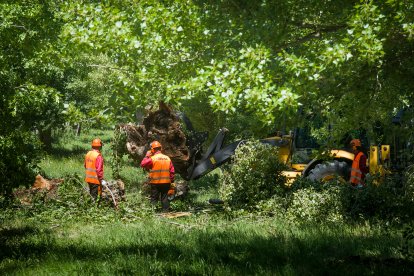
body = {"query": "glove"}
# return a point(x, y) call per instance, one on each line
point(171, 192)
point(103, 182)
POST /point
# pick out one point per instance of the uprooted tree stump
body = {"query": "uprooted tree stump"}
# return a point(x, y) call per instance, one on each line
point(165, 126)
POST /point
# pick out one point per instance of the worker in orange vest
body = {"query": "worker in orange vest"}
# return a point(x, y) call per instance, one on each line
point(359, 165)
point(161, 174)
point(94, 169)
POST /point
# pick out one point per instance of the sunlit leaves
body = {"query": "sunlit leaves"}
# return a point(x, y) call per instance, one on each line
point(37, 107)
point(365, 32)
point(266, 58)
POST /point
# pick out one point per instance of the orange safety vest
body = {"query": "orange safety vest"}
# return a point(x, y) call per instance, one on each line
point(356, 173)
point(160, 172)
point(90, 170)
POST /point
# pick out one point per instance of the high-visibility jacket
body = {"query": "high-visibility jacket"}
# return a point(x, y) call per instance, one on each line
point(160, 171)
point(356, 173)
point(90, 167)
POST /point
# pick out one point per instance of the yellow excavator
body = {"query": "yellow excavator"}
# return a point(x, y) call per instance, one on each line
point(335, 164)
point(296, 151)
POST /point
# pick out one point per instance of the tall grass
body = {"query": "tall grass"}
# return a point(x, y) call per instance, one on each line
point(70, 235)
point(198, 246)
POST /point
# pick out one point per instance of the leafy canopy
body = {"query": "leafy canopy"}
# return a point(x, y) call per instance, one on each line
point(273, 63)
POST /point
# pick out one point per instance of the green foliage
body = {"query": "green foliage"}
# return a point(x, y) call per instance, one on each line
point(333, 201)
point(72, 193)
point(18, 160)
point(118, 146)
point(407, 248)
point(387, 201)
point(55, 232)
point(269, 58)
point(147, 245)
point(309, 201)
point(315, 203)
point(254, 175)
point(27, 102)
point(90, 91)
point(235, 60)
point(37, 107)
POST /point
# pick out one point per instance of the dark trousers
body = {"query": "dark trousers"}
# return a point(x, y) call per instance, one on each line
point(95, 190)
point(160, 192)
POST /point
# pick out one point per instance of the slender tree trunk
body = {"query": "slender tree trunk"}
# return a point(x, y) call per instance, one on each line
point(45, 137)
point(78, 129)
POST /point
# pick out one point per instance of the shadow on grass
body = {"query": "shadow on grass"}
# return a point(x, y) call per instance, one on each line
point(236, 252)
point(13, 242)
point(206, 182)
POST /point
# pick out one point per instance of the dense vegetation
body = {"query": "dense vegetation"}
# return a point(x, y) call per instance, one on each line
point(72, 70)
point(262, 64)
point(300, 230)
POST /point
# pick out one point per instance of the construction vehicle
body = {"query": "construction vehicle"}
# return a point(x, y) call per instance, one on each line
point(335, 164)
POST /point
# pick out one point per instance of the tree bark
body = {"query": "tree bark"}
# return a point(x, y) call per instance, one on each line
point(45, 136)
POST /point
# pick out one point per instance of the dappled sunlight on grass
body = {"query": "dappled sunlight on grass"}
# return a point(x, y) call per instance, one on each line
point(60, 167)
point(232, 247)
point(69, 234)
point(68, 152)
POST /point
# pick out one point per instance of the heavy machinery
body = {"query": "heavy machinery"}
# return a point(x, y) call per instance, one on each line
point(335, 164)
point(297, 151)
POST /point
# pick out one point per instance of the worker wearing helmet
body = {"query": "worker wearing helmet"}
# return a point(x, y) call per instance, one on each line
point(359, 165)
point(161, 174)
point(94, 169)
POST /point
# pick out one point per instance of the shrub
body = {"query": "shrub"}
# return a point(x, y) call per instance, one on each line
point(254, 176)
point(409, 186)
point(310, 201)
point(19, 155)
point(390, 200)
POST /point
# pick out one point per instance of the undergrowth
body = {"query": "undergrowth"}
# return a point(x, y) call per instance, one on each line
point(307, 229)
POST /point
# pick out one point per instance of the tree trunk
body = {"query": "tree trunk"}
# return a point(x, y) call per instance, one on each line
point(45, 136)
point(78, 129)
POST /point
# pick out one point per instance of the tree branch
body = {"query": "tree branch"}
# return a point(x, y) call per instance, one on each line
point(20, 27)
point(316, 34)
point(108, 67)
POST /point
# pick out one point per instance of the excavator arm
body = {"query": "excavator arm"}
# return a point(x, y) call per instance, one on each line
point(217, 155)
point(214, 157)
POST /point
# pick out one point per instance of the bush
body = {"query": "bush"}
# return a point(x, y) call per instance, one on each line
point(254, 176)
point(19, 155)
point(311, 205)
point(310, 201)
point(254, 182)
point(389, 200)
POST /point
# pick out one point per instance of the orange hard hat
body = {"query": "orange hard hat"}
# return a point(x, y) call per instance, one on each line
point(355, 142)
point(155, 144)
point(96, 142)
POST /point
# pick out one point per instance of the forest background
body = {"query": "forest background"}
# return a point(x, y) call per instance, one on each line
point(254, 67)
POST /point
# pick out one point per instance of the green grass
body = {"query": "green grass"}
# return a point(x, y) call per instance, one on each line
point(68, 153)
point(197, 246)
point(69, 235)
